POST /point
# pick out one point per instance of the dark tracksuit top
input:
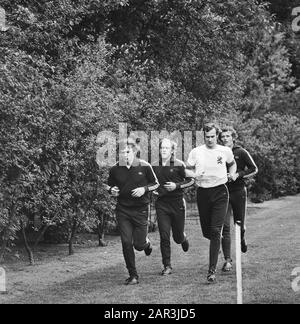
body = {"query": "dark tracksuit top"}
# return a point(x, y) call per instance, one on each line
point(174, 172)
point(246, 168)
point(170, 207)
point(140, 174)
point(131, 211)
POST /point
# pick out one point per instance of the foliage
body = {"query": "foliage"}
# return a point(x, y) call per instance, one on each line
point(23, 123)
point(273, 141)
point(70, 69)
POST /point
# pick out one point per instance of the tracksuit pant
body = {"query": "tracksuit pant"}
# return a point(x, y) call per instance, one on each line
point(170, 215)
point(133, 226)
point(212, 206)
point(237, 207)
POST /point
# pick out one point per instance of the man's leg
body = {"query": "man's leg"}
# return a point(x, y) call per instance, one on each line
point(239, 206)
point(164, 226)
point(126, 231)
point(219, 200)
point(140, 229)
point(204, 208)
point(226, 235)
point(178, 208)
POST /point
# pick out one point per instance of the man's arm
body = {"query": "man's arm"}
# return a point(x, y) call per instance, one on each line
point(153, 182)
point(190, 173)
point(187, 181)
point(110, 181)
point(231, 165)
point(232, 170)
point(111, 185)
point(190, 166)
point(250, 164)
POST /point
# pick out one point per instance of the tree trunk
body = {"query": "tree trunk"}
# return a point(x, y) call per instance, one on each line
point(71, 238)
point(27, 247)
point(3, 249)
point(101, 228)
point(71, 249)
point(37, 241)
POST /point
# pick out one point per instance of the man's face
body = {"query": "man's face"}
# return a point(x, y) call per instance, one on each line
point(166, 149)
point(211, 138)
point(127, 155)
point(226, 138)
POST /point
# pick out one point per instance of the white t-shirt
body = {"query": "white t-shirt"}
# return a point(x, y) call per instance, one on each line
point(210, 165)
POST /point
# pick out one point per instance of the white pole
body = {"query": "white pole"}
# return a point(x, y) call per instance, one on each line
point(238, 256)
point(2, 281)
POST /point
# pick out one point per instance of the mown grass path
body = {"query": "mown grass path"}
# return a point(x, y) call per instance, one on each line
point(96, 275)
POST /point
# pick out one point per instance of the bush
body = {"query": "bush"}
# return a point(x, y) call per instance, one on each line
point(273, 141)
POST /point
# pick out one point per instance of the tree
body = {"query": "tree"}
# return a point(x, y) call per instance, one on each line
point(273, 140)
point(23, 120)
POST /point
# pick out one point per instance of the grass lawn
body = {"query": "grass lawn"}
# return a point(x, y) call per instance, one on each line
point(96, 275)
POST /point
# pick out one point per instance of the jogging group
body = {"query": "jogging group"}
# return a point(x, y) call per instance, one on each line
point(218, 169)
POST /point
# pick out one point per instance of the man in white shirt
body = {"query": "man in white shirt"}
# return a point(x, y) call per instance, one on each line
point(209, 165)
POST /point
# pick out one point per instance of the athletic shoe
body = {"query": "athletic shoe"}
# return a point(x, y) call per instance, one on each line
point(244, 246)
point(211, 276)
point(227, 266)
point(148, 249)
point(132, 280)
point(185, 245)
point(167, 271)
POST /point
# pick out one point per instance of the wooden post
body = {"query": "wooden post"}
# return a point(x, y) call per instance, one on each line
point(2, 281)
point(238, 263)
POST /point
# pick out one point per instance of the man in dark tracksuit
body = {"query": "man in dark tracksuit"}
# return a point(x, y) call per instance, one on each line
point(170, 204)
point(246, 168)
point(132, 182)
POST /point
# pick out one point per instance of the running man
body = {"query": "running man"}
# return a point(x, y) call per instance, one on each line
point(246, 168)
point(210, 163)
point(170, 204)
point(131, 181)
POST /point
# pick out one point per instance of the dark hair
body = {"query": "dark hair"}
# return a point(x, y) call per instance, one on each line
point(128, 142)
point(229, 129)
point(209, 127)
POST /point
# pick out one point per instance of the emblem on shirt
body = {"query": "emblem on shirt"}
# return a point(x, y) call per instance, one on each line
point(220, 160)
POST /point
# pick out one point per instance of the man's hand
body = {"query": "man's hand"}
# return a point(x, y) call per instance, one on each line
point(190, 173)
point(115, 191)
point(138, 192)
point(232, 177)
point(170, 186)
point(194, 173)
point(155, 193)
